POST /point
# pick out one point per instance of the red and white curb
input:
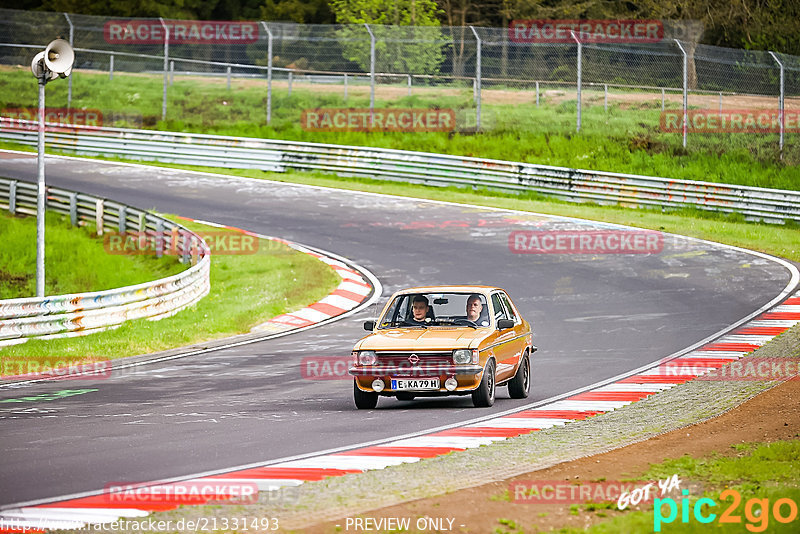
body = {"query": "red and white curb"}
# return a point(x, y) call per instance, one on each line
point(746, 338)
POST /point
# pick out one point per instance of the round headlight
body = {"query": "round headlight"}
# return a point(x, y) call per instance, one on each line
point(367, 357)
point(450, 384)
point(462, 356)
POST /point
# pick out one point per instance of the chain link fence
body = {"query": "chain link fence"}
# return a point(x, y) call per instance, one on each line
point(491, 79)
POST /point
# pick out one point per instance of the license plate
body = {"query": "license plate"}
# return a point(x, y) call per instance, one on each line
point(416, 383)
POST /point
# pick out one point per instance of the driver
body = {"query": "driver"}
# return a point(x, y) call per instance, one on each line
point(474, 307)
point(419, 309)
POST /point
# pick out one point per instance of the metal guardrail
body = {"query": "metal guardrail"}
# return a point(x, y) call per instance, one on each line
point(84, 313)
point(774, 205)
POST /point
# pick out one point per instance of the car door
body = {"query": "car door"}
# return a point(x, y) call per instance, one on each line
point(521, 337)
point(505, 346)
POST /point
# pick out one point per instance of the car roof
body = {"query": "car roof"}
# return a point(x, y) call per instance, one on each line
point(450, 289)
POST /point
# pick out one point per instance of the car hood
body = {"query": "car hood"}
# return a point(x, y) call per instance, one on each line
point(432, 338)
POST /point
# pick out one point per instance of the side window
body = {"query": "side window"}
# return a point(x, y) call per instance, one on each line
point(509, 307)
point(499, 310)
point(397, 311)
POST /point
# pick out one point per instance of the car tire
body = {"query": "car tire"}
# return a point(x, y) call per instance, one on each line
point(520, 385)
point(483, 397)
point(405, 396)
point(365, 400)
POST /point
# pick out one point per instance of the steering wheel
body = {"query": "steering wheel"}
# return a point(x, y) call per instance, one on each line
point(465, 322)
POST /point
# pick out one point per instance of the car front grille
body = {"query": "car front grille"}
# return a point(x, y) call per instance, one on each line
point(403, 359)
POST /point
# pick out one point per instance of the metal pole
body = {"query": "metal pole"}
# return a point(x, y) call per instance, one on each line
point(290, 83)
point(171, 72)
point(662, 99)
point(229, 77)
point(605, 97)
point(69, 78)
point(41, 192)
point(371, 75)
point(477, 81)
point(781, 116)
point(685, 91)
point(409, 85)
point(580, 51)
point(345, 87)
point(537, 94)
point(269, 71)
point(166, 64)
point(111, 68)
point(720, 105)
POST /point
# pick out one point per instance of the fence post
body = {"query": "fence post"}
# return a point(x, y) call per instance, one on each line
point(111, 68)
point(371, 75)
point(537, 94)
point(12, 197)
point(171, 72)
point(345, 87)
point(720, 105)
point(166, 64)
point(290, 84)
point(580, 51)
point(269, 71)
point(229, 77)
point(477, 81)
point(73, 209)
point(122, 219)
point(781, 117)
point(409, 85)
point(605, 97)
point(69, 78)
point(185, 251)
point(99, 208)
point(159, 244)
point(685, 91)
point(662, 99)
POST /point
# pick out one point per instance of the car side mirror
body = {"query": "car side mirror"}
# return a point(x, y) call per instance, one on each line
point(504, 324)
point(369, 326)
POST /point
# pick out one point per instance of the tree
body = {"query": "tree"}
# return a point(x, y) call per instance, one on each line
point(300, 11)
point(169, 9)
point(407, 34)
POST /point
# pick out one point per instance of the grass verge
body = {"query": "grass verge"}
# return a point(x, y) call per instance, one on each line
point(75, 260)
point(626, 138)
point(246, 289)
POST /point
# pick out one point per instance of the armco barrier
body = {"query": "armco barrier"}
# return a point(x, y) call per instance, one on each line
point(416, 167)
point(82, 313)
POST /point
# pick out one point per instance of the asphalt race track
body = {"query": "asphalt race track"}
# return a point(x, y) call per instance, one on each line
point(595, 316)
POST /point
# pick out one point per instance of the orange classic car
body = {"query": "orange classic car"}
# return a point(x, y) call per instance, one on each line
point(444, 340)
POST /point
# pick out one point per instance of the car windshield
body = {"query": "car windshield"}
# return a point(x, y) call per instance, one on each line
point(424, 310)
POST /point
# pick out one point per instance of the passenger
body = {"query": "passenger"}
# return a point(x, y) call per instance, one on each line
point(475, 309)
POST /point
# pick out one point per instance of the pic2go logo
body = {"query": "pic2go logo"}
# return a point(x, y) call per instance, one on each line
point(756, 511)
